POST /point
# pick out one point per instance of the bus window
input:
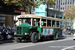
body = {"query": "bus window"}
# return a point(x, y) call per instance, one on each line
point(27, 20)
point(36, 22)
point(53, 23)
point(48, 22)
point(57, 23)
point(43, 22)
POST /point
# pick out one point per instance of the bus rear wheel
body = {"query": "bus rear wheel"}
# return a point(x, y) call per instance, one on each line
point(55, 37)
point(34, 37)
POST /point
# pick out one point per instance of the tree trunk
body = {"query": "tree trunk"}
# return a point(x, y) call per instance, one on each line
point(28, 10)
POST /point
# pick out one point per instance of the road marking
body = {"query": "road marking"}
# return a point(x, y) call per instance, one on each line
point(41, 43)
point(71, 47)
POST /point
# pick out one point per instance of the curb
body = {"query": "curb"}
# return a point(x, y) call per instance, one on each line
point(6, 41)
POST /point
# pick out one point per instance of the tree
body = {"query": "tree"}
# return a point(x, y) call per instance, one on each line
point(49, 3)
point(70, 13)
point(27, 4)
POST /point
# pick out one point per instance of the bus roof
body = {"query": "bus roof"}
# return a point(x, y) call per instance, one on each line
point(37, 16)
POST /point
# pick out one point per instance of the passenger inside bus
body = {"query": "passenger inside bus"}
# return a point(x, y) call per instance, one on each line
point(53, 23)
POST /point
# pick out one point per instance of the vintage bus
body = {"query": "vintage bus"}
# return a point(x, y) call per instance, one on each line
point(33, 27)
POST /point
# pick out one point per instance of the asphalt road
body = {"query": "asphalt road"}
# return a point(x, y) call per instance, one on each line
point(61, 44)
point(51, 46)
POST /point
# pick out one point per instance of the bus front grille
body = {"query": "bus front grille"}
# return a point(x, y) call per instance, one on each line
point(18, 30)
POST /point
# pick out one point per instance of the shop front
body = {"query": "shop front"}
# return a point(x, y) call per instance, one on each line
point(7, 19)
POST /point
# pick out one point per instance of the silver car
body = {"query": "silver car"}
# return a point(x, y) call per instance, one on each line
point(68, 32)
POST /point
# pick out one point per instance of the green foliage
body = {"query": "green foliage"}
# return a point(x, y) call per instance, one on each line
point(70, 13)
point(50, 2)
point(28, 4)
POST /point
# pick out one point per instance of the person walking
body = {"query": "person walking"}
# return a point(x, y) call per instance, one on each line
point(4, 27)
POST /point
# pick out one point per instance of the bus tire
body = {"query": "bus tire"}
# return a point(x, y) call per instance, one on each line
point(34, 37)
point(56, 36)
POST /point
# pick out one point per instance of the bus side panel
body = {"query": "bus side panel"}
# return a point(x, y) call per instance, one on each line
point(59, 31)
point(47, 31)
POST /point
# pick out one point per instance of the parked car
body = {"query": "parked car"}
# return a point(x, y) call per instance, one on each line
point(68, 32)
point(6, 34)
point(72, 31)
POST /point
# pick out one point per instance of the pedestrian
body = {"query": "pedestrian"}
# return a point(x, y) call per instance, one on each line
point(4, 27)
point(8, 27)
point(64, 30)
point(14, 27)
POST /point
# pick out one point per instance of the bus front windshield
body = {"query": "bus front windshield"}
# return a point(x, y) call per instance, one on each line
point(26, 20)
point(35, 22)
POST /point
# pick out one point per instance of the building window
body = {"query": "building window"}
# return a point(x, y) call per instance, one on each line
point(61, 3)
point(61, 0)
point(61, 8)
point(73, 1)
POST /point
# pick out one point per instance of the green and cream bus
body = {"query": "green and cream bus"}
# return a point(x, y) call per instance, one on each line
point(33, 27)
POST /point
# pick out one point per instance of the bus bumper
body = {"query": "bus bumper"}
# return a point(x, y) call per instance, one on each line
point(22, 36)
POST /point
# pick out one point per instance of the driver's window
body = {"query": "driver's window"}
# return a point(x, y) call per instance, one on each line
point(25, 20)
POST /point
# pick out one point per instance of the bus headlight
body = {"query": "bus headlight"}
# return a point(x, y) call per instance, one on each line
point(26, 33)
point(15, 33)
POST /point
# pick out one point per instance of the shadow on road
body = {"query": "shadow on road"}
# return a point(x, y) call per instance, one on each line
point(28, 41)
point(61, 38)
point(6, 41)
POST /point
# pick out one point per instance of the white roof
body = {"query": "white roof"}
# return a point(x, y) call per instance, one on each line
point(37, 16)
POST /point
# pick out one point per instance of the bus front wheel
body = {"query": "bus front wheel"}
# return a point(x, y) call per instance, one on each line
point(34, 37)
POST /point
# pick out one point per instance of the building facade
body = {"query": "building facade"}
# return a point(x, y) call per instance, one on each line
point(62, 5)
point(7, 13)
